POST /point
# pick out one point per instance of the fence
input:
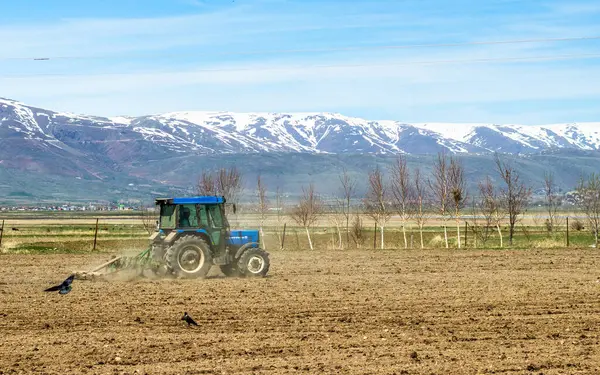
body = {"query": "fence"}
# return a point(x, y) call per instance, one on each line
point(95, 235)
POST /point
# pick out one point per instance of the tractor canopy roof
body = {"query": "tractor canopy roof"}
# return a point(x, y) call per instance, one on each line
point(191, 200)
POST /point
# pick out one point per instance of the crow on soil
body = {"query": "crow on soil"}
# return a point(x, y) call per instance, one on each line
point(64, 287)
point(188, 319)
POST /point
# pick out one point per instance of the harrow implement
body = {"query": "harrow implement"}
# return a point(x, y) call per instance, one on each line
point(140, 262)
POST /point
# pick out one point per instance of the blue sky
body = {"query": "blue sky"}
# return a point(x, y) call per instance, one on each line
point(133, 57)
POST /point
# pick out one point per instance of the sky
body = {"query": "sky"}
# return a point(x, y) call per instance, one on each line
point(405, 60)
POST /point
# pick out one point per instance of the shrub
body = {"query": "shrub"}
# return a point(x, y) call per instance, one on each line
point(548, 243)
point(577, 225)
point(437, 241)
point(357, 231)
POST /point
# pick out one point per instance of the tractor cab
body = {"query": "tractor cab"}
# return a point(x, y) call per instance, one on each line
point(193, 234)
point(199, 214)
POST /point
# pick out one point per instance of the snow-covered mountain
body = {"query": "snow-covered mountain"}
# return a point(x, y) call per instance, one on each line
point(129, 139)
point(56, 156)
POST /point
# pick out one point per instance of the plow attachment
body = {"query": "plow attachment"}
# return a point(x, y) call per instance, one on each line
point(140, 262)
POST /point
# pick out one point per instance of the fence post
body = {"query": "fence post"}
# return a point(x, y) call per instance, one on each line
point(567, 231)
point(96, 234)
point(375, 237)
point(283, 236)
point(466, 229)
point(1, 233)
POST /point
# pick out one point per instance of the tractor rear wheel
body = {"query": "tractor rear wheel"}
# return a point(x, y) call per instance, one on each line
point(230, 270)
point(254, 262)
point(189, 257)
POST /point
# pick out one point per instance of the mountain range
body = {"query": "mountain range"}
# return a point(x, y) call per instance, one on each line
point(164, 150)
point(225, 132)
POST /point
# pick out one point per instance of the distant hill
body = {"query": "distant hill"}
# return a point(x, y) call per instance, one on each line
point(51, 156)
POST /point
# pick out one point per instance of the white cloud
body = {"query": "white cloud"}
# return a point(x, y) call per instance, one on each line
point(285, 82)
point(236, 26)
point(304, 88)
point(575, 8)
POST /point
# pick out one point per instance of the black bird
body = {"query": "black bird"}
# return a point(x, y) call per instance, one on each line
point(188, 319)
point(64, 287)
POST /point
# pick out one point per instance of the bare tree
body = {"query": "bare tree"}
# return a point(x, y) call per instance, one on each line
point(348, 191)
point(149, 217)
point(588, 199)
point(477, 233)
point(515, 195)
point(375, 201)
point(402, 193)
point(336, 218)
point(263, 206)
point(440, 189)
point(206, 184)
point(281, 218)
point(458, 191)
point(490, 208)
point(420, 203)
point(229, 183)
point(552, 201)
point(308, 210)
point(224, 182)
point(487, 206)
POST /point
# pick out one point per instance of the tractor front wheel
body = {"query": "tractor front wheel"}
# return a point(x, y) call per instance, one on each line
point(254, 262)
point(189, 257)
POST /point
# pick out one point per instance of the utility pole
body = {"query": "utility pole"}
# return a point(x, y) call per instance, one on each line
point(95, 235)
point(283, 236)
point(567, 231)
point(1, 233)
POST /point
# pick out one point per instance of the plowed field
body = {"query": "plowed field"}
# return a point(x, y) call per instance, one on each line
point(399, 312)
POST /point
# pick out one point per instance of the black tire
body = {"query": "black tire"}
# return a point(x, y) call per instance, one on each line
point(189, 247)
point(230, 270)
point(254, 262)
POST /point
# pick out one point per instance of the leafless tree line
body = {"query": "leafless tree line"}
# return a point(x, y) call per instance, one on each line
point(552, 203)
point(415, 199)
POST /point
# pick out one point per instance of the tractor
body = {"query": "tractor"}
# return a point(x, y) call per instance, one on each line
point(193, 234)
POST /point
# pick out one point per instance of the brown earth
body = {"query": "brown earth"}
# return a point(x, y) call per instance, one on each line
point(397, 312)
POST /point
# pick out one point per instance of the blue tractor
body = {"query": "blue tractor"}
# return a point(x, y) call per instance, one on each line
point(193, 234)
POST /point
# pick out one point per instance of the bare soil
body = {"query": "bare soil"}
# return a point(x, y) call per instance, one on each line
point(336, 312)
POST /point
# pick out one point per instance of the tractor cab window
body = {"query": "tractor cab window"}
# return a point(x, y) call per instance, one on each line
point(187, 216)
point(216, 216)
point(202, 215)
point(167, 216)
